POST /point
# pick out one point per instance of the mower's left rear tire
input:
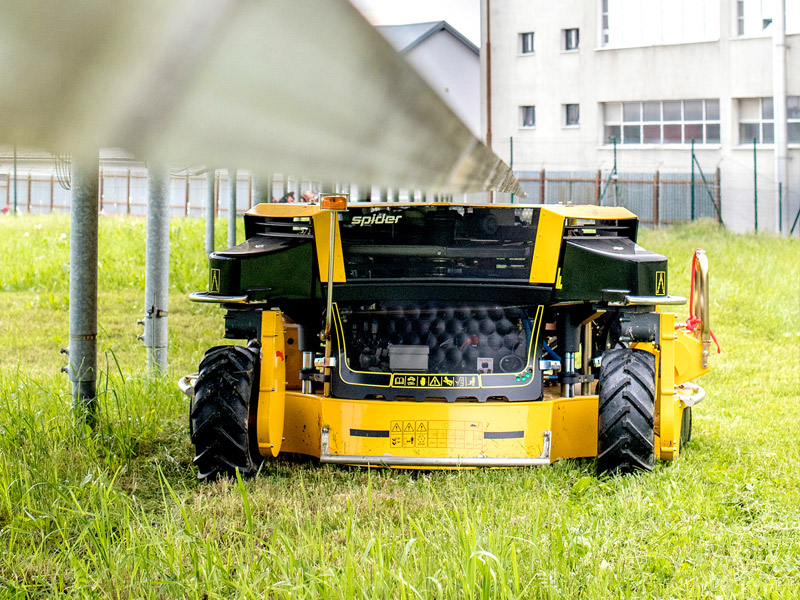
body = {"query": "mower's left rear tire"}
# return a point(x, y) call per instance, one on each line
point(221, 424)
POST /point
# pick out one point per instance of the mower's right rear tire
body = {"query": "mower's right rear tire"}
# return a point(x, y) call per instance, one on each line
point(220, 416)
point(686, 427)
point(627, 392)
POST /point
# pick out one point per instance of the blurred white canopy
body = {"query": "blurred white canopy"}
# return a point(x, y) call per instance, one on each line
point(284, 85)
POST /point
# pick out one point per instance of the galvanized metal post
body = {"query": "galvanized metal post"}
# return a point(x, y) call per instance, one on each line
point(755, 187)
point(83, 288)
point(232, 208)
point(156, 281)
point(210, 212)
point(615, 175)
point(15, 179)
point(656, 198)
point(511, 159)
point(692, 180)
point(779, 106)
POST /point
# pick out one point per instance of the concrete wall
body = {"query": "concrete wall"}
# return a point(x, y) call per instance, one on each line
point(727, 69)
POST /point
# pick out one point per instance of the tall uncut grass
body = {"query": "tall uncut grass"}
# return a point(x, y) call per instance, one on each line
point(119, 513)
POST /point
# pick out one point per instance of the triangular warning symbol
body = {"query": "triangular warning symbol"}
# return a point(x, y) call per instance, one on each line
point(396, 428)
point(410, 427)
point(421, 427)
point(661, 283)
point(435, 382)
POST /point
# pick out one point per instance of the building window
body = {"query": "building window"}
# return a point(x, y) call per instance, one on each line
point(528, 116)
point(739, 17)
point(572, 115)
point(635, 23)
point(757, 120)
point(604, 30)
point(571, 39)
point(662, 122)
point(526, 42)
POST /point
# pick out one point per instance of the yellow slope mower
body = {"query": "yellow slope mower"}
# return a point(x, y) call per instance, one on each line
point(451, 336)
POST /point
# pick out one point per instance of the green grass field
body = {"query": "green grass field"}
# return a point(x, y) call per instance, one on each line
point(119, 514)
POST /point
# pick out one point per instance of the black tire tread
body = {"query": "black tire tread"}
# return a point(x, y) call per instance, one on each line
point(686, 427)
point(220, 413)
point(626, 390)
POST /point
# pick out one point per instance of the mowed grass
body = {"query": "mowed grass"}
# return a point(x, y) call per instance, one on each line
point(119, 514)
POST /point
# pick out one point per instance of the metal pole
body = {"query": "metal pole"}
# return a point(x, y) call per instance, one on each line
point(779, 106)
point(83, 288)
point(211, 176)
point(755, 186)
point(232, 208)
point(616, 174)
point(692, 180)
point(511, 160)
point(656, 185)
point(780, 207)
point(15, 179)
point(156, 279)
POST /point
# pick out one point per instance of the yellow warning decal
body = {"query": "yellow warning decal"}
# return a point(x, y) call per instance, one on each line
point(215, 277)
point(436, 434)
point(435, 381)
point(661, 283)
point(396, 434)
point(559, 283)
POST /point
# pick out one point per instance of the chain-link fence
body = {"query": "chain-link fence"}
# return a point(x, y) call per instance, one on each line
point(123, 191)
point(657, 198)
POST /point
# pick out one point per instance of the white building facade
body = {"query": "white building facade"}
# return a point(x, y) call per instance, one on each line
point(587, 84)
point(446, 60)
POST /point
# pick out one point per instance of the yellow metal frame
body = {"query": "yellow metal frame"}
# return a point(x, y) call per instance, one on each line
point(472, 433)
point(421, 430)
point(421, 433)
point(272, 384)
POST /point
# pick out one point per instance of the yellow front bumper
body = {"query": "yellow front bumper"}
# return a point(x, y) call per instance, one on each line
point(440, 434)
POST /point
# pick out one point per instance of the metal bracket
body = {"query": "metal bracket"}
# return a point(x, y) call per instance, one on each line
point(187, 383)
point(695, 393)
point(645, 327)
point(321, 363)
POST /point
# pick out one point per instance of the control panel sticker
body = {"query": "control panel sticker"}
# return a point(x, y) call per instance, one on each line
point(435, 381)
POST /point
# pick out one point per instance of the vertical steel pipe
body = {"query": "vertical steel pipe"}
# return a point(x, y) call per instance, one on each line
point(779, 106)
point(156, 282)
point(232, 208)
point(755, 186)
point(307, 387)
point(83, 288)
point(210, 212)
point(586, 357)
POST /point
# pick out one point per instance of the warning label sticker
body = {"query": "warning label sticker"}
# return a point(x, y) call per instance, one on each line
point(215, 281)
point(435, 381)
point(661, 283)
point(436, 434)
